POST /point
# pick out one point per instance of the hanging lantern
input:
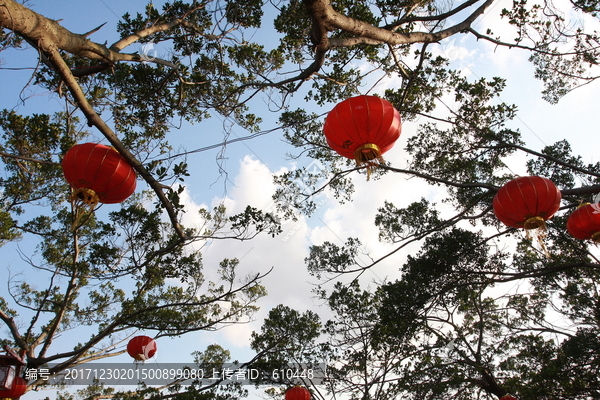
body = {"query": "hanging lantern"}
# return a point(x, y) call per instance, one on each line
point(10, 368)
point(363, 128)
point(98, 173)
point(584, 223)
point(508, 397)
point(527, 202)
point(297, 393)
point(18, 389)
point(142, 348)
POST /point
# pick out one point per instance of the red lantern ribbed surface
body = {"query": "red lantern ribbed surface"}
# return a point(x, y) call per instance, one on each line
point(142, 348)
point(18, 389)
point(362, 128)
point(92, 166)
point(297, 393)
point(584, 223)
point(526, 202)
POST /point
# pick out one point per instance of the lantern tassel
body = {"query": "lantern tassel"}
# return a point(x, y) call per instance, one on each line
point(369, 155)
point(84, 201)
point(535, 230)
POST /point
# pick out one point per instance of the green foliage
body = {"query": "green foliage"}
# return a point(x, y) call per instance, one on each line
point(332, 258)
point(399, 224)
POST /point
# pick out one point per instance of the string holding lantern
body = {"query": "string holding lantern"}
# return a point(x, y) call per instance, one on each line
point(363, 128)
point(527, 202)
point(142, 348)
point(584, 223)
point(297, 393)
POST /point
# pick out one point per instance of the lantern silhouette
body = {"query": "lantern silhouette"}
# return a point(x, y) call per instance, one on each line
point(527, 202)
point(18, 389)
point(297, 393)
point(584, 223)
point(142, 348)
point(363, 128)
point(98, 173)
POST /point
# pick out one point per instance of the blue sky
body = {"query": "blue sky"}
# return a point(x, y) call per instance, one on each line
point(251, 163)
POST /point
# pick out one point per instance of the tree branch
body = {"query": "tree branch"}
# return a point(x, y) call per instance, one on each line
point(14, 329)
point(328, 19)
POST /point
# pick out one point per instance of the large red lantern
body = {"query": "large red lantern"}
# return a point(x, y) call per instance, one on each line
point(18, 389)
point(527, 202)
point(584, 223)
point(142, 348)
point(297, 393)
point(98, 173)
point(362, 128)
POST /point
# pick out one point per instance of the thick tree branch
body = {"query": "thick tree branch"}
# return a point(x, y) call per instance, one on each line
point(328, 19)
point(42, 32)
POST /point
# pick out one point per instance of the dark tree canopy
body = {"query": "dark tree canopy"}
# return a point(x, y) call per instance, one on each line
point(447, 325)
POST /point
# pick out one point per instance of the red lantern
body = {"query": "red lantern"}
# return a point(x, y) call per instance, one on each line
point(98, 173)
point(18, 389)
point(584, 223)
point(508, 397)
point(526, 202)
point(141, 348)
point(297, 393)
point(10, 368)
point(362, 128)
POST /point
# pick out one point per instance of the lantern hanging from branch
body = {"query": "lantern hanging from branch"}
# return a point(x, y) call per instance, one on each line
point(527, 202)
point(584, 223)
point(297, 393)
point(363, 128)
point(98, 173)
point(142, 348)
point(18, 389)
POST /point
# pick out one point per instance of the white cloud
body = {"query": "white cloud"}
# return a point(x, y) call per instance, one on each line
point(288, 282)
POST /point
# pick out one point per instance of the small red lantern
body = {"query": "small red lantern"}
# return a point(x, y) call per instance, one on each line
point(297, 393)
point(18, 389)
point(98, 173)
point(142, 348)
point(584, 223)
point(527, 202)
point(362, 128)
